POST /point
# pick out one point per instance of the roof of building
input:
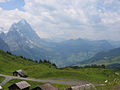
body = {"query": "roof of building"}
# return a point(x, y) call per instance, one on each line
point(22, 84)
point(86, 86)
point(48, 86)
point(76, 87)
point(21, 72)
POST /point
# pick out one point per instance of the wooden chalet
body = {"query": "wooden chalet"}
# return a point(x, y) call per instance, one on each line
point(46, 86)
point(23, 85)
point(19, 73)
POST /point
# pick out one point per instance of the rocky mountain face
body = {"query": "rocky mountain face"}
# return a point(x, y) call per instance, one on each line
point(3, 46)
point(24, 41)
point(21, 33)
point(1, 29)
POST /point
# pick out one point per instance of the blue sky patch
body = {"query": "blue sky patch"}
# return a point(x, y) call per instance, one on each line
point(13, 4)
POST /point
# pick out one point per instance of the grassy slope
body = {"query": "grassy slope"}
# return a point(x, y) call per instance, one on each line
point(108, 61)
point(10, 63)
point(106, 57)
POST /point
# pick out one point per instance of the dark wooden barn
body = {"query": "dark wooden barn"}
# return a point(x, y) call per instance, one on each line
point(19, 73)
point(46, 86)
point(23, 85)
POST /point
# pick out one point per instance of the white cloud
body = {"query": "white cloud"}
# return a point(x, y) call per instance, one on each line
point(90, 19)
point(2, 1)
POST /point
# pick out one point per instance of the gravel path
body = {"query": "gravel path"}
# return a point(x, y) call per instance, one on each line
point(81, 84)
point(8, 78)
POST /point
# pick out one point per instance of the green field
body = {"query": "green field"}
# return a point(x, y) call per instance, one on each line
point(10, 63)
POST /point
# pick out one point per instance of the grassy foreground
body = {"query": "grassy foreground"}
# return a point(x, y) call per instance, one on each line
point(33, 84)
point(10, 63)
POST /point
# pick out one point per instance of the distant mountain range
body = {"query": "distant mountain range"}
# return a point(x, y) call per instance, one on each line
point(106, 57)
point(115, 44)
point(23, 41)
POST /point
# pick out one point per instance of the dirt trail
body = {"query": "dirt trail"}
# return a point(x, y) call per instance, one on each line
point(8, 78)
point(56, 81)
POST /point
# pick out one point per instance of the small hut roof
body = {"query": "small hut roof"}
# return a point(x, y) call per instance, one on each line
point(76, 87)
point(22, 84)
point(21, 72)
point(48, 86)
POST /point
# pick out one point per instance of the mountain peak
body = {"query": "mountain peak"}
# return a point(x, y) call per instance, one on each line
point(20, 24)
point(23, 21)
point(23, 29)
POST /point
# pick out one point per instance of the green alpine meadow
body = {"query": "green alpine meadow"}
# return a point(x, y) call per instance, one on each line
point(48, 71)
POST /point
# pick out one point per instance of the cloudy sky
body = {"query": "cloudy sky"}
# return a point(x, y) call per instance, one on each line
point(65, 19)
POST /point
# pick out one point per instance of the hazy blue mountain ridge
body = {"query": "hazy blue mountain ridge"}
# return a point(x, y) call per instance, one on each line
point(24, 41)
point(105, 57)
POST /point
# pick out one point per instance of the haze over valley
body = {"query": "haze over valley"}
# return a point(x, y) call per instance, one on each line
point(23, 41)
